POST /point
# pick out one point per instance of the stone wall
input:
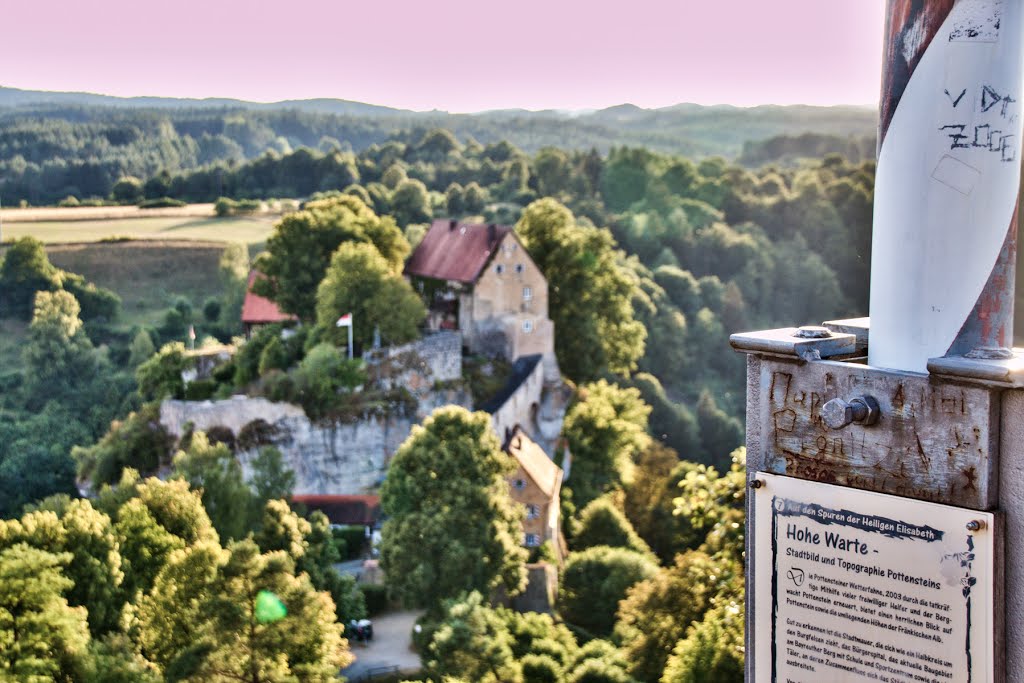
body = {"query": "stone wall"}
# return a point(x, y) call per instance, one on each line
point(419, 365)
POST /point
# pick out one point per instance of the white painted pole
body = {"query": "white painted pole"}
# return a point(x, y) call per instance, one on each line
point(947, 182)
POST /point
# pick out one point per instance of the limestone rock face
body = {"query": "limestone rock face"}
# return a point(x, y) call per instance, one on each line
point(328, 458)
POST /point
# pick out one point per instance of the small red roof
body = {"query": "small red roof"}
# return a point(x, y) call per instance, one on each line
point(258, 310)
point(356, 510)
point(455, 251)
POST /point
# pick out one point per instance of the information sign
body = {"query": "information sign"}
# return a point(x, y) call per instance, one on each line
point(857, 586)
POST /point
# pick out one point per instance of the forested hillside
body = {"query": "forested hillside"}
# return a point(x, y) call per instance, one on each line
point(53, 145)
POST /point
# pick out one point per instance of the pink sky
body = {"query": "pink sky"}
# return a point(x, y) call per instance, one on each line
point(458, 55)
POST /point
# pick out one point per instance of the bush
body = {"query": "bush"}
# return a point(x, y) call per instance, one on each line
point(161, 203)
point(350, 541)
point(211, 309)
point(200, 390)
point(377, 600)
point(224, 206)
point(70, 200)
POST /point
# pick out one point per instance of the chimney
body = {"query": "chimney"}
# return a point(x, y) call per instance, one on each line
point(492, 231)
point(451, 224)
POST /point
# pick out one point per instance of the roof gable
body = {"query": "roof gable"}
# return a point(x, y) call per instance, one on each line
point(259, 310)
point(456, 251)
point(535, 462)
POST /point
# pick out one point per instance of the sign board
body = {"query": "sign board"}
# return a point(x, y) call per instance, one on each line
point(855, 586)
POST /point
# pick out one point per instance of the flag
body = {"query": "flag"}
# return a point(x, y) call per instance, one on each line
point(345, 320)
point(192, 332)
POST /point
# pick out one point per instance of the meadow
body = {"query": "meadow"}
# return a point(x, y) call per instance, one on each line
point(250, 230)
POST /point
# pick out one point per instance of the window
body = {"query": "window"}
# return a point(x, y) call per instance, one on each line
point(499, 269)
point(527, 326)
point(532, 540)
point(520, 268)
point(527, 293)
point(519, 484)
point(532, 511)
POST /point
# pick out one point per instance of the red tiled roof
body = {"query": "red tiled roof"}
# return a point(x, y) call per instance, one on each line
point(455, 251)
point(259, 310)
point(361, 510)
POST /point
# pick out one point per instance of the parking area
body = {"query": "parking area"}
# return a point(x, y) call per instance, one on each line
point(391, 647)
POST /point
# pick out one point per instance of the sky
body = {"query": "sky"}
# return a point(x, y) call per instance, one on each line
point(455, 55)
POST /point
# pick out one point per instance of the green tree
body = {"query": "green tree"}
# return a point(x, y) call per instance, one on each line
point(300, 249)
point(361, 282)
point(232, 643)
point(127, 190)
point(450, 474)
point(93, 565)
point(25, 270)
point(411, 203)
point(590, 293)
point(657, 613)
point(213, 470)
point(606, 427)
point(712, 650)
point(42, 638)
point(59, 358)
point(595, 580)
point(139, 441)
point(141, 349)
point(602, 523)
point(650, 506)
point(160, 376)
point(472, 641)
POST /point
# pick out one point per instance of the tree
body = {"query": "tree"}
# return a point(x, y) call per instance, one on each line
point(361, 282)
point(300, 249)
point(657, 613)
point(606, 428)
point(472, 641)
point(59, 358)
point(650, 506)
point(595, 580)
point(139, 441)
point(230, 641)
point(602, 523)
point(590, 293)
point(720, 433)
point(213, 470)
point(712, 650)
point(24, 271)
point(42, 638)
point(142, 348)
point(411, 203)
point(160, 376)
point(450, 474)
point(127, 190)
point(93, 564)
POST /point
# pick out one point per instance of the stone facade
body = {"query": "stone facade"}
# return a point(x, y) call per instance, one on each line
point(536, 485)
point(418, 366)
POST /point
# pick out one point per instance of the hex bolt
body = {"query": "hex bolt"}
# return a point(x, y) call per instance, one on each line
point(813, 332)
point(863, 410)
point(975, 525)
point(756, 483)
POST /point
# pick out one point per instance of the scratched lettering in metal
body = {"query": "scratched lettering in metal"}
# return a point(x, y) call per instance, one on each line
point(933, 441)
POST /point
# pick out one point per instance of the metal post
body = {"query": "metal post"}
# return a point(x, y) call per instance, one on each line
point(947, 184)
point(350, 341)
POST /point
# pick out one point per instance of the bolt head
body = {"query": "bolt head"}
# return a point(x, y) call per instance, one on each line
point(813, 332)
point(837, 413)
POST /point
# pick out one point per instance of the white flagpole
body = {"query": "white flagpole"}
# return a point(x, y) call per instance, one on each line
point(350, 338)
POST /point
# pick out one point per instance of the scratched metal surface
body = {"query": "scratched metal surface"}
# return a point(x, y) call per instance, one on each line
point(935, 441)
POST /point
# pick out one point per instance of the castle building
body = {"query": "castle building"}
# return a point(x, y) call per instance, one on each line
point(480, 280)
point(535, 485)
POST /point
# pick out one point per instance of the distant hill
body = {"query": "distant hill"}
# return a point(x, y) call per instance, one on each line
point(688, 129)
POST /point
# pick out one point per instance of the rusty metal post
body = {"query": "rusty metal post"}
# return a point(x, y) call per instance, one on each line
point(946, 193)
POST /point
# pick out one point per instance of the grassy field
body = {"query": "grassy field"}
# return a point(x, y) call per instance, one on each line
point(249, 230)
point(148, 275)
